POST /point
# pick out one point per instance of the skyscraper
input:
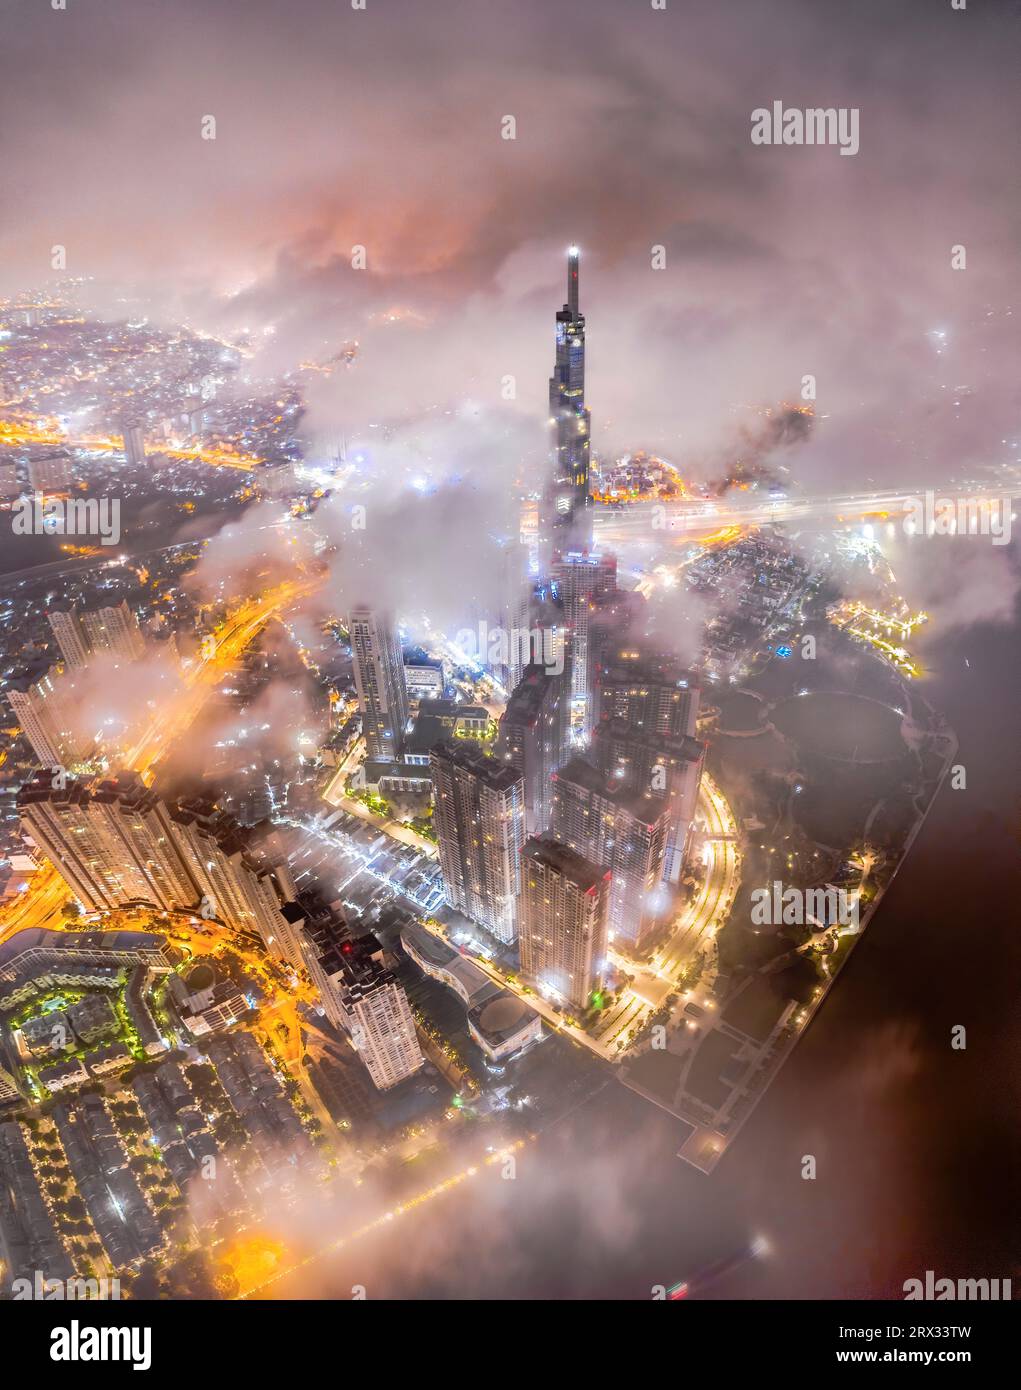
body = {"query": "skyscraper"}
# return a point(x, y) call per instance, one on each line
point(379, 680)
point(627, 834)
point(666, 767)
point(479, 819)
point(651, 692)
point(10, 488)
point(114, 628)
point(644, 738)
point(563, 926)
point(363, 997)
point(515, 615)
point(50, 473)
point(70, 635)
point(120, 843)
point(240, 875)
point(533, 733)
point(567, 523)
point(582, 581)
point(134, 443)
point(111, 845)
point(42, 713)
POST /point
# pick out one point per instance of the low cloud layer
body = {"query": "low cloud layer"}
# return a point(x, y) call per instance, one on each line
point(382, 129)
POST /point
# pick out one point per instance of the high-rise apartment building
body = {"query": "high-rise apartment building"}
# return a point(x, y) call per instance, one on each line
point(650, 692)
point(134, 443)
point(241, 876)
point(42, 712)
point(582, 581)
point(119, 843)
point(666, 767)
point(563, 921)
point(379, 680)
point(70, 635)
point(479, 819)
point(533, 735)
point(363, 997)
point(50, 473)
point(10, 487)
point(110, 845)
point(515, 615)
point(114, 628)
point(626, 834)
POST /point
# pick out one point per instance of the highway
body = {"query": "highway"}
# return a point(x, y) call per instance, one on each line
point(690, 519)
point(701, 917)
point(41, 903)
point(20, 431)
point(227, 645)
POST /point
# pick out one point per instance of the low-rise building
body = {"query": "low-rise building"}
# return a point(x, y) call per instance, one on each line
point(113, 1057)
point(64, 1074)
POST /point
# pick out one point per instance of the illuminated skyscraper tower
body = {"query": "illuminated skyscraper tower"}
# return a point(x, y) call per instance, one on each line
point(71, 639)
point(114, 628)
point(379, 679)
point(479, 819)
point(567, 523)
point(563, 920)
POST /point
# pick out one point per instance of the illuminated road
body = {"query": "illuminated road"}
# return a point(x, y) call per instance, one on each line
point(696, 518)
point(409, 1204)
point(21, 431)
point(707, 911)
point(40, 905)
point(226, 646)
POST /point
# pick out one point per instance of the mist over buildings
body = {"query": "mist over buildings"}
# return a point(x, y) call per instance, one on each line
point(776, 267)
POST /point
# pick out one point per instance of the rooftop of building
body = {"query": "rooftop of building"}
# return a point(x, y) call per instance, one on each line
point(682, 747)
point(499, 1018)
point(200, 977)
point(631, 661)
point(548, 850)
point(526, 699)
point(375, 769)
point(474, 983)
point(469, 756)
point(580, 772)
point(436, 720)
point(70, 943)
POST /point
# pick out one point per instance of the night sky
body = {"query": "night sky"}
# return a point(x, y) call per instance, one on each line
point(382, 127)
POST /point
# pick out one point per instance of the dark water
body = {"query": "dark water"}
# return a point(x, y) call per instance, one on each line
point(914, 1142)
point(144, 527)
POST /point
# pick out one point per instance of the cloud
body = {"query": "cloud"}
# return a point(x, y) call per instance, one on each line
point(383, 130)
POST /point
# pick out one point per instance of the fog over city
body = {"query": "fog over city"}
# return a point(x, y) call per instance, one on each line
point(769, 675)
point(775, 267)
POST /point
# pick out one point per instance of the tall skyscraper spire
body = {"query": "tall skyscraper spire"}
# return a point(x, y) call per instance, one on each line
point(567, 523)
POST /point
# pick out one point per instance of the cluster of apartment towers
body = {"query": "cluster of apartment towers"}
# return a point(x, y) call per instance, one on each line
point(573, 831)
point(567, 836)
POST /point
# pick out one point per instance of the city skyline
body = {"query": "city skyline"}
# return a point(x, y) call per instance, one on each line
point(509, 623)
